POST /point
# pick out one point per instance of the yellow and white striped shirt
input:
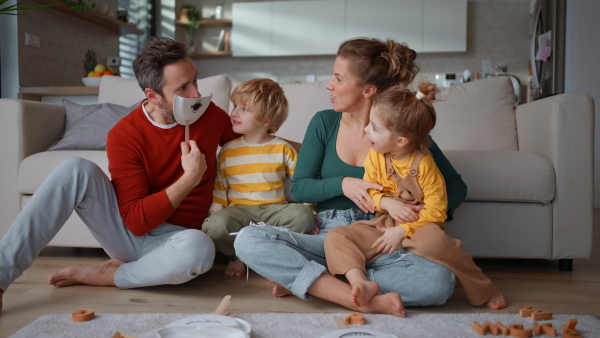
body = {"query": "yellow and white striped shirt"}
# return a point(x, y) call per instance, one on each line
point(253, 174)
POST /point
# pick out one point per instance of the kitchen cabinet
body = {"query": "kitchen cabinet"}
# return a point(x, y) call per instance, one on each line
point(307, 27)
point(251, 32)
point(318, 27)
point(444, 26)
point(401, 20)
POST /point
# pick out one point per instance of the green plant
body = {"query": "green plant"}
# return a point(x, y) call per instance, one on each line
point(12, 9)
point(193, 16)
point(89, 62)
point(80, 5)
point(193, 24)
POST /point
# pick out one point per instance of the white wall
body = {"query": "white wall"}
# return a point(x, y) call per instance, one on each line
point(581, 65)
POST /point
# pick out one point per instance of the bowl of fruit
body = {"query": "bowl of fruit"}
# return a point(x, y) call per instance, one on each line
point(94, 71)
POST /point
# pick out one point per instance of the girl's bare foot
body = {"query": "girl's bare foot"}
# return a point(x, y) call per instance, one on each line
point(280, 291)
point(235, 268)
point(387, 303)
point(497, 301)
point(363, 291)
point(103, 274)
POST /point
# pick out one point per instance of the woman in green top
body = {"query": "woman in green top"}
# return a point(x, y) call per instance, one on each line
point(329, 172)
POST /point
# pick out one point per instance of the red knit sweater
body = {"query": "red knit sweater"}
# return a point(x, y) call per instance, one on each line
point(144, 160)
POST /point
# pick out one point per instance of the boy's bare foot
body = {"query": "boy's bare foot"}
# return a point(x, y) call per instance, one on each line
point(363, 291)
point(235, 268)
point(387, 303)
point(280, 291)
point(103, 274)
point(497, 301)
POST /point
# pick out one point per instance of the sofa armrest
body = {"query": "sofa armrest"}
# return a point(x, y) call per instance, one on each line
point(27, 127)
point(561, 129)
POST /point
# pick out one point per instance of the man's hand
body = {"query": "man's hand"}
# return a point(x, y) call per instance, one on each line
point(400, 211)
point(356, 190)
point(193, 161)
point(391, 240)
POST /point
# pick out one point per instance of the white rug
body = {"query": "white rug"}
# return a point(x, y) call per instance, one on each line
point(278, 325)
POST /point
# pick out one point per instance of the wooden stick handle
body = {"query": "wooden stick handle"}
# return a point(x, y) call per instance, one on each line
point(223, 305)
point(187, 131)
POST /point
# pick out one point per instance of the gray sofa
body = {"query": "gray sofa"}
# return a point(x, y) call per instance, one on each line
point(529, 168)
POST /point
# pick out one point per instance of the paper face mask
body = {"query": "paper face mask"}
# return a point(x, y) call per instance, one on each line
point(189, 109)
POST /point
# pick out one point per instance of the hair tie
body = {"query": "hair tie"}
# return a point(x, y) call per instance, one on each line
point(420, 95)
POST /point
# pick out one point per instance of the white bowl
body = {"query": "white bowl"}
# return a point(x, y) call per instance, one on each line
point(91, 81)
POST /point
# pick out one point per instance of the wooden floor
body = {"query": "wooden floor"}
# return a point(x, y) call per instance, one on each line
point(524, 282)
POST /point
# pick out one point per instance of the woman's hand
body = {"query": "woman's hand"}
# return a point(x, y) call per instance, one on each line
point(356, 190)
point(400, 211)
point(391, 240)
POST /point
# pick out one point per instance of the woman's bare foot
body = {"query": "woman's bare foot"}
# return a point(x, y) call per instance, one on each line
point(235, 268)
point(387, 303)
point(280, 291)
point(497, 301)
point(363, 291)
point(103, 274)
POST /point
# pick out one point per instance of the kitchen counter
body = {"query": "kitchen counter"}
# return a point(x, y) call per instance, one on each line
point(36, 93)
point(53, 93)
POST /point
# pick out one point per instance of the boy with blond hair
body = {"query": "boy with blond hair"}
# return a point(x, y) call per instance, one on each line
point(252, 169)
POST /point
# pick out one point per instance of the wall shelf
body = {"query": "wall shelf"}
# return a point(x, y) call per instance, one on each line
point(207, 23)
point(95, 17)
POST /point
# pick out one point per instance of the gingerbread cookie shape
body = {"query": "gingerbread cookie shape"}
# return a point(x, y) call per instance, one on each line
point(355, 318)
point(82, 315)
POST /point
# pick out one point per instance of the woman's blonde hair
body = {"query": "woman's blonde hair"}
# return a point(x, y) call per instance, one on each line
point(409, 114)
point(265, 98)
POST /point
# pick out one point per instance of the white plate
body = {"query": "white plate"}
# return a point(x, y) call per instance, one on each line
point(204, 332)
point(361, 333)
point(203, 321)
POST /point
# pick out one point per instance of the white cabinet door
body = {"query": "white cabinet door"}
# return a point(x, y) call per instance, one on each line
point(445, 26)
point(400, 20)
point(308, 27)
point(251, 29)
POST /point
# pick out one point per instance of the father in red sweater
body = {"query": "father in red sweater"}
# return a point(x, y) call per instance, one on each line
point(152, 212)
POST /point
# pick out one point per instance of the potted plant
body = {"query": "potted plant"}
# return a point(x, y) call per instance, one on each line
point(191, 15)
point(12, 9)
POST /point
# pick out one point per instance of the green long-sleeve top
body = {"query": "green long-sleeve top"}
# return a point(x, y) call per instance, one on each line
point(319, 170)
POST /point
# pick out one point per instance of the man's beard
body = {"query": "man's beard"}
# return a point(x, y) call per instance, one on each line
point(166, 112)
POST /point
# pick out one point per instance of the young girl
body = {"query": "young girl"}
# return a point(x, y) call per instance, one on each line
point(400, 122)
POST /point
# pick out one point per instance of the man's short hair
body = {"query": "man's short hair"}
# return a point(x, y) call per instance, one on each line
point(149, 64)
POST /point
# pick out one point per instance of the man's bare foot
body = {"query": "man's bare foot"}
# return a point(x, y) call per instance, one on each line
point(103, 274)
point(497, 301)
point(280, 291)
point(387, 303)
point(235, 268)
point(363, 291)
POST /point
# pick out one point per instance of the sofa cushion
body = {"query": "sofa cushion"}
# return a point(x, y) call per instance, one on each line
point(126, 92)
point(35, 168)
point(86, 126)
point(305, 100)
point(478, 115)
point(506, 176)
